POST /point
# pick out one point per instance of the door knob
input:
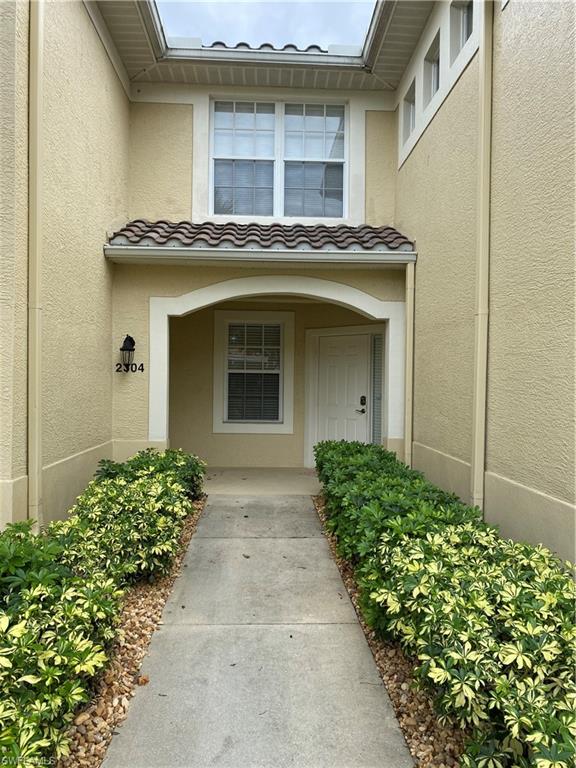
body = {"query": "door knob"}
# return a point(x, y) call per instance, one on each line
point(360, 410)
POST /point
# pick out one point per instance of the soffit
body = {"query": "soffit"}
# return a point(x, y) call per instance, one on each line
point(133, 28)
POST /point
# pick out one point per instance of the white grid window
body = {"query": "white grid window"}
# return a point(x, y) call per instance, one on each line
point(313, 135)
point(254, 372)
point(243, 139)
point(279, 159)
point(409, 111)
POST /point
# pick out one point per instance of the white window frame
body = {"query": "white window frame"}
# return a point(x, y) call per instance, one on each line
point(278, 164)
point(220, 425)
point(440, 20)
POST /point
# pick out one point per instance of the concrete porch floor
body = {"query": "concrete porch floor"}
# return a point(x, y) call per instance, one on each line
point(267, 481)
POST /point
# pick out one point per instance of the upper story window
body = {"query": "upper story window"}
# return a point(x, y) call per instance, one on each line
point(279, 159)
point(409, 111)
point(461, 25)
point(432, 70)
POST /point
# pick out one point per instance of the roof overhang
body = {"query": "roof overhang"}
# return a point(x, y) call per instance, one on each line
point(137, 34)
point(170, 255)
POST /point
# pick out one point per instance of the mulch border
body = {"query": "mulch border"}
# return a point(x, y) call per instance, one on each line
point(142, 606)
point(431, 744)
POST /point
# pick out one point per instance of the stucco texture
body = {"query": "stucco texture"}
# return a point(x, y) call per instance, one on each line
point(133, 287)
point(191, 382)
point(436, 206)
point(13, 238)
point(85, 189)
point(531, 419)
point(160, 161)
point(381, 155)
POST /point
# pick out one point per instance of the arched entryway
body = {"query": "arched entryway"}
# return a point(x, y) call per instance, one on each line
point(326, 291)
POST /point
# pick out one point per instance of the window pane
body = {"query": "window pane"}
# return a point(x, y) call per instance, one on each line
point(244, 173)
point(313, 203)
point(254, 334)
point(294, 144)
point(254, 393)
point(314, 145)
point(272, 335)
point(335, 118)
point(334, 145)
point(223, 114)
point(264, 174)
point(223, 176)
point(244, 117)
point(333, 203)
point(294, 175)
point(223, 142)
point(243, 143)
point(294, 117)
point(334, 176)
point(263, 202)
point(313, 175)
point(223, 200)
point(293, 202)
point(314, 117)
point(265, 114)
point(235, 182)
point(243, 200)
point(264, 144)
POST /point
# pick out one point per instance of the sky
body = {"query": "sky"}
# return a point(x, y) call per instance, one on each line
point(302, 22)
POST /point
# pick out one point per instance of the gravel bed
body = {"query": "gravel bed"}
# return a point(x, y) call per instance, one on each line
point(431, 744)
point(142, 608)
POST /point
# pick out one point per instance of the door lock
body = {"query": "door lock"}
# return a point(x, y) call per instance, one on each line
point(363, 400)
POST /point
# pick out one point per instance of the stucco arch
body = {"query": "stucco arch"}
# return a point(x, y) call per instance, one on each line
point(164, 307)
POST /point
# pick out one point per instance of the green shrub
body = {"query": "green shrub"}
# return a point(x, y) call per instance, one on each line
point(60, 592)
point(491, 621)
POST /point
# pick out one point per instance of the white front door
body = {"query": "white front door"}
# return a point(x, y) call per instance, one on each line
point(343, 388)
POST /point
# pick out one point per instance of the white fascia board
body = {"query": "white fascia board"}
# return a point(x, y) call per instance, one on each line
point(244, 56)
point(149, 254)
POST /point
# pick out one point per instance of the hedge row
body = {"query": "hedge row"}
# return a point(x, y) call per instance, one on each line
point(60, 592)
point(491, 621)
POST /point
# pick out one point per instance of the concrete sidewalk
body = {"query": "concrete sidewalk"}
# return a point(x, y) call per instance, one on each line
point(261, 662)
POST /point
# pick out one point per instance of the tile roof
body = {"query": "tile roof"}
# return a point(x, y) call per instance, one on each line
point(290, 47)
point(274, 236)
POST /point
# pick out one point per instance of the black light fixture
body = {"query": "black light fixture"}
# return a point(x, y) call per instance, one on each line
point(127, 350)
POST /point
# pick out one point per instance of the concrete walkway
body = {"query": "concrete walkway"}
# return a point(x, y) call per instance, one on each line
point(260, 662)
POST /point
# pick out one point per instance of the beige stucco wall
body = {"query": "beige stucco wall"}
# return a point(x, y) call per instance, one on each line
point(191, 383)
point(133, 286)
point(436, 205)
point(85, 183)
point(381, 163)
point(13, 257)
point(160, 161)
point(531, 419)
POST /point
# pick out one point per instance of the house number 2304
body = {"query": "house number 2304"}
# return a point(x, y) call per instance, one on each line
point(129, 367)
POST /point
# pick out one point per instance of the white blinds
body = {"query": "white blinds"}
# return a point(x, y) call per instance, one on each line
point(254, 360)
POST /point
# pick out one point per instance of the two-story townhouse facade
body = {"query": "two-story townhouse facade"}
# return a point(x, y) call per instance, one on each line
point(372, 245)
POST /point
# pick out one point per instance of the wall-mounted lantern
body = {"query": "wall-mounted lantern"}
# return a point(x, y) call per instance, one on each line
point(127, 350)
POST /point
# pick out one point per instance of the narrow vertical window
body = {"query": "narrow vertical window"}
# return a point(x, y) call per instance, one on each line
point(432, 70)
point(377, 351)
point(461, 25)
point(409, 111)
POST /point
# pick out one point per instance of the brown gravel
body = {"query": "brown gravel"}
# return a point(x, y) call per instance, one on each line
point(431, 744)
point(141, 613)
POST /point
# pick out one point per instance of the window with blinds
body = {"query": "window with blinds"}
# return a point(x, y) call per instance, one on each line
point(279, 159)
point(254, 372)
point(244, 158)
point(314, 160)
